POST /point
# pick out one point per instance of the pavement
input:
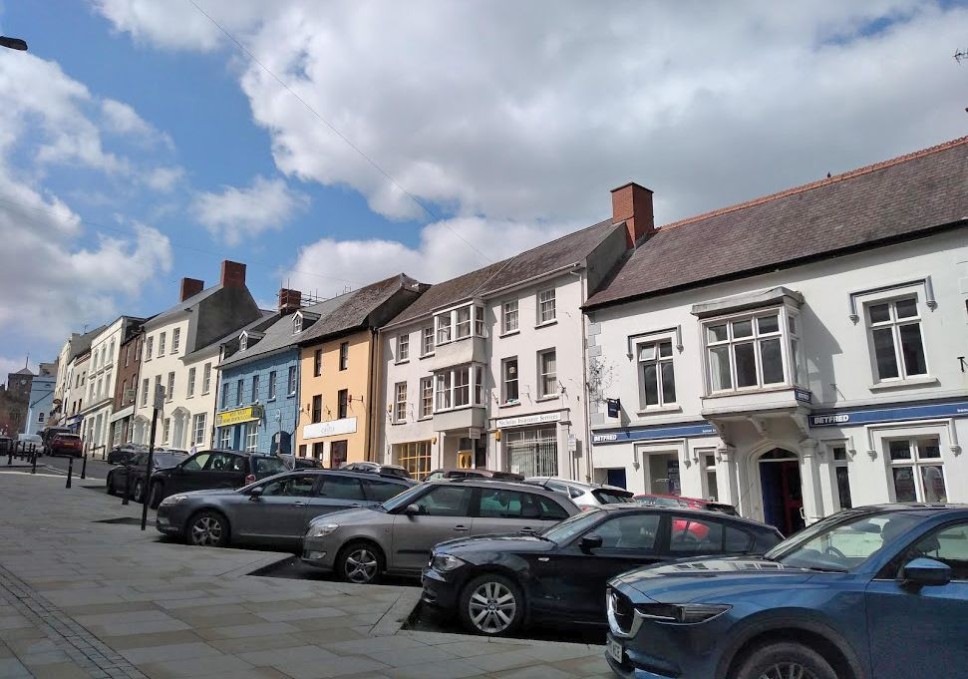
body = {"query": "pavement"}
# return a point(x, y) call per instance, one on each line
point(84, 598)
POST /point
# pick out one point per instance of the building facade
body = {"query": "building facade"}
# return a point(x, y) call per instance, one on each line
point(486, 370)
point(41, 401)
point(67, 388)
point(339, 403)
point(76, 392)
point(126, 386)
point(795, 355)
point(180, 355)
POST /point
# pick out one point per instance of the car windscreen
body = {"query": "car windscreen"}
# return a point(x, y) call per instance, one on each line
point(569, 529)
point(404, 498)
point(266, 466)
point(608, 495)
point(166, 460)
point(842, 541)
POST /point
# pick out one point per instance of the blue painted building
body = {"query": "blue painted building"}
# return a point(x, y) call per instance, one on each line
point(41, 400)
point(258, 400)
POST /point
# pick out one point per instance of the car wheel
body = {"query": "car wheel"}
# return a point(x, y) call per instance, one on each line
point(154, 499)
point(785, 659)
point(208, 529)
point(110, 483)
point(492, 605)
point(138, 494)
point(361, 563)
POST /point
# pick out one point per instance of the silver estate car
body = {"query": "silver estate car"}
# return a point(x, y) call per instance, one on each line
point(398, 536)
point(274, 511)
point(585, 495)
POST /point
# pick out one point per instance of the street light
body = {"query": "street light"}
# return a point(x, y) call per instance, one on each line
point(13, 43)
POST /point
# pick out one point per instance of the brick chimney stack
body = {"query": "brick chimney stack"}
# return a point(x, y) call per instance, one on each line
point(190, 287)
point(233, 274)
point(289, 301)
point(632, 204)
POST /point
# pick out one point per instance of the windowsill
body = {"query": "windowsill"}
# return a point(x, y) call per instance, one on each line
point(553, 321)
point(909, 383)
point(510, 333)
point(511, 404)
point(190, 396)
point(406, 360)
point(456, 409)
point(397, 423)
point(292, 395)
point(271, 400)
point(659, 410)
point(430, 355)
point(752, 390)
point(549, 397)
point(425, 418)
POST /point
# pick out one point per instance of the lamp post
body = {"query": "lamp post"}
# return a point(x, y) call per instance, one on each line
point(13, 43)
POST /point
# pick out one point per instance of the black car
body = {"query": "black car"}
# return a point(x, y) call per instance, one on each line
point(212, 469)
point(377, 468)
point(125, 453)
point(499, 583)
point(116, 482)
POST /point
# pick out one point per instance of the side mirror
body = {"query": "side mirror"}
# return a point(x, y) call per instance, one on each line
point(924, 572)
point(590, 542)
point(411, 510)
point(255, 494)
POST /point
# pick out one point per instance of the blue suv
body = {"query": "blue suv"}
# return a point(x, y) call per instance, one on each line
point(877, 592)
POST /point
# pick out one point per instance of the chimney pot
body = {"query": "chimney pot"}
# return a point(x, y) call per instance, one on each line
point(289, 301)
point(233, 274)
point(190, 287)
point(632, 204)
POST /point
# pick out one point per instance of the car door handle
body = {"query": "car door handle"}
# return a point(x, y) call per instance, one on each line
point(544, 559)
point(299, 503)
point(527, 529)
point(462, 528)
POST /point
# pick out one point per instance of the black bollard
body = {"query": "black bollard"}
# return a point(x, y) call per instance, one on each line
point(33, 463)
point(10, 454)
point(70, 470)
point(84, 468)
point(127, 484)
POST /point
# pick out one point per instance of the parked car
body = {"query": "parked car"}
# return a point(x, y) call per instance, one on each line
point(6, 444)
point(439, 474)
point(878, 591)
point(360, 545)
point(125, 452)
point(212, 469)
point(137, 465)
point(585, 495)
point(34, 440)
point(498, 583)
point(275, 511)
point(306, 463)
point(377, 468)
point(49, 433)
point(65, 444)
point(661, 500)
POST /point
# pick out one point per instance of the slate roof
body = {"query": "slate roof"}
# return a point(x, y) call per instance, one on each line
point(82, 343)
point(157, 320)
point(266, 317)
point(875, 205)
point(569, 249)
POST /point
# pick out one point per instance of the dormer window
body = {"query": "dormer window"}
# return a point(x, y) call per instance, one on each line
point(243, 342)
point(303, 319)
point(297, 322)
point(248, 338)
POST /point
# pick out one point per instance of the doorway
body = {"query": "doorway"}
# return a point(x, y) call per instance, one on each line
point(782, 491)
point(616, 477)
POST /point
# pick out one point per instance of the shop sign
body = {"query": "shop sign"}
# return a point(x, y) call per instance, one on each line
point(655, 433)
point(525, 420)
point(803, 395)
point(474, 433)
point(230, 417)
point(898, 414)
point(332, 428)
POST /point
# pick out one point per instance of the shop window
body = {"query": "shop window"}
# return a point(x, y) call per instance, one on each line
point(337, 454)
point(842, 476)
point(414, 457)
point(657, 380)
point(509, 316)
point(662, 473)
point(547, 374)
point(747, 352)
point(403, 348)
point(251, 436)
point(533, 451)
point(318, 450)
point(342, 403)
point(894, 331)
point(225, 438)
point(546, 306)
point(917, 470)
point(400, 403)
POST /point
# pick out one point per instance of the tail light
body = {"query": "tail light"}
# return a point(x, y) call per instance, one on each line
point(587, 508)
point(250, 478)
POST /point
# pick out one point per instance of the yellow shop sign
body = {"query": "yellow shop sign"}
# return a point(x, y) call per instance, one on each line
point(231, 417)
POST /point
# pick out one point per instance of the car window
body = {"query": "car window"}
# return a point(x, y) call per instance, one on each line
point(695, 536)
point(630, 531)
point(608, 496)
point(446, 501)
point(557, 487)
point(293, 485)
point(550, 510)
point(223, 462)
point(949, 546)
point(381, 491)
point(266, 466)
point(501, 504)
point(196, 463)
point(342, 488)
point(736, 540)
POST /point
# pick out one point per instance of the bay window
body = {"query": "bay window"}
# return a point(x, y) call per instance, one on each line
point(895, 338)
point(458, 324)
point(459, 387)
point(463, 322)
point(747, 352)
point(443, 328)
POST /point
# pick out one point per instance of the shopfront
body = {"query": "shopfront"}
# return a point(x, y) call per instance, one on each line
point(529, 444)
point(239, 429)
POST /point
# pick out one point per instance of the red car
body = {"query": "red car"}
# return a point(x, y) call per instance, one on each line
point(682, 529)
point(66, 444)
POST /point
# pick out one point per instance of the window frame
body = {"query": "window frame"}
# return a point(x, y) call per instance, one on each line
point(426, 399)
point(255, 388)
point(342, 404)
point(149, 347)
point(198, 428)
point(316, 409)
point(508, 314)
point(175, 340)
point(659, 361)
point(410, 456)
point(894, 323)
point(191, 383)
point(403, 347)
point(447, 323)
point(543, 376)
point(297, 323)
point(161, 344)
point(400, 406)
point(427, 349)
point(505, 381)
point(272, 385)
point(916, 463)
point(317, 362)
point(239, 391)
point(344, 355)
point(292, 380)
point(170, 388)
point(446, 386)
point(206, 378)
point(540, 307)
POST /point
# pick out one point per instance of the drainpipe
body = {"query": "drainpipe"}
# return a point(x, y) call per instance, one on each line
point(584, 379)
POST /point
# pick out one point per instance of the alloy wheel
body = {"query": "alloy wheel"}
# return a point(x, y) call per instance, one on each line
point(492, 607)
point(787, 670)
point(361, 565)
point(206, 531)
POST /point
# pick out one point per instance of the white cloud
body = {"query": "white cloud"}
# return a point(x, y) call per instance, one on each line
point(121, 119)
point(164, 179)
point(238, 213)
point(528, 112)
point(55, 276)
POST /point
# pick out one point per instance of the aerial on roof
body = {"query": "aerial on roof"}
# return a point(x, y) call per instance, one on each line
point(562, 252)
point(898, 199)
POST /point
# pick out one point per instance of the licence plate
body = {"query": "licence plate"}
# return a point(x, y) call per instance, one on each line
point(615, 650)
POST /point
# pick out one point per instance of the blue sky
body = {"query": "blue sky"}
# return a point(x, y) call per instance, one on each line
point(143, 146)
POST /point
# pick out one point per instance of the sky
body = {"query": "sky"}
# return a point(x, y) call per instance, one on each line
point(327, 145)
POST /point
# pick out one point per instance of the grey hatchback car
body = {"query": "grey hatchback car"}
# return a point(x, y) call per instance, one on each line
point(272, 512)
point(398, 536)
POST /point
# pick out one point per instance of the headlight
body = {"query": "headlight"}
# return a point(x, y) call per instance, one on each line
point(320, 530)
point(173, 500)
point(687, 614)
point(442, 563)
